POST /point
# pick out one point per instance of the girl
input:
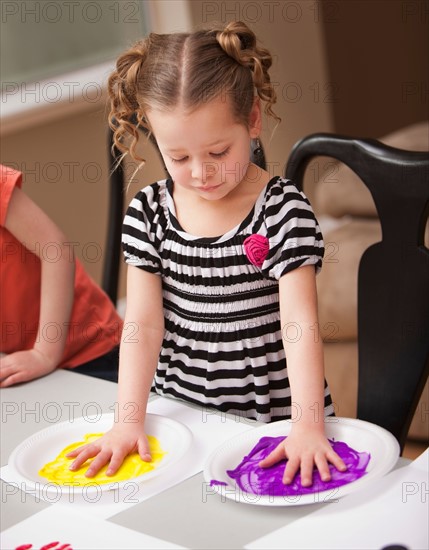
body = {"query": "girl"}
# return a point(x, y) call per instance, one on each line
point(220, 257)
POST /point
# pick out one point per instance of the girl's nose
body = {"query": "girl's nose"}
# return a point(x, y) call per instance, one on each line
point(197, 171)
point(202, 171)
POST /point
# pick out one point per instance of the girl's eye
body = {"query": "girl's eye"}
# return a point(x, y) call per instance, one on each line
point(215, 155)
point(220, 155)
point(178, 160)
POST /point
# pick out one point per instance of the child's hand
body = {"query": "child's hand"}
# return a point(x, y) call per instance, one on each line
point(305, 448)
point(112, 447)
point(23, 366)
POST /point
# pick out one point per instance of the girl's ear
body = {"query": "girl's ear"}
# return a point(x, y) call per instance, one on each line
point(255, 119)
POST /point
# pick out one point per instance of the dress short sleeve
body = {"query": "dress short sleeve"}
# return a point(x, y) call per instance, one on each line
point(294, 236)
point(9, 179)
point(141, 230)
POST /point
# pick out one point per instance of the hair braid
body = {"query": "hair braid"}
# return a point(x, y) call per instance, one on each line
point(240, 43)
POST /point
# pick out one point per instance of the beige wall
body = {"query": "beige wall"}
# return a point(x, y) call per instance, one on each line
point(378, 59)
point(64, 162)
point(65, 156)
point(296, 41)
point(65, 171)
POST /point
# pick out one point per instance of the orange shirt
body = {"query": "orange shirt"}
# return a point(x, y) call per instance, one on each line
point(94, 327)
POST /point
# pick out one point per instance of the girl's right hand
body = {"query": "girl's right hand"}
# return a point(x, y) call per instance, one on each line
point(111, 448)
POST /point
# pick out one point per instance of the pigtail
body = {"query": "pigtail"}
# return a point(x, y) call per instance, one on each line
point(240, 43)
point(124, 107)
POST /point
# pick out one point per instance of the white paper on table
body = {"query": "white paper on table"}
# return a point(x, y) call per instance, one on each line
point(80, 531)
point(209, 428)
point(394, 510)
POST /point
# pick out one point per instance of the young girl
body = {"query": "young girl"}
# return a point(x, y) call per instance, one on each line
point(221, 258)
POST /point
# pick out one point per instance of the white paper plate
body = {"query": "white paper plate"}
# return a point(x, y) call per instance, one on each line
point(32, 454)
point(361, 436)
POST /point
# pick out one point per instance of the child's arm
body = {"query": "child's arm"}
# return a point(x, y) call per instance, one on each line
point(307, 444)
point(35, 230)
point(140, 346)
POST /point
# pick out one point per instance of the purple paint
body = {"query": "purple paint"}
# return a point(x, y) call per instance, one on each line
point(251, 478)
point(215, 482)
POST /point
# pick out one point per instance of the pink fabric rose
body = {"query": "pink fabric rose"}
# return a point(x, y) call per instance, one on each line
point(256, 248)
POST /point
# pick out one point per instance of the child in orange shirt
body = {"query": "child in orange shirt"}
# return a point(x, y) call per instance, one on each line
point(52, 313)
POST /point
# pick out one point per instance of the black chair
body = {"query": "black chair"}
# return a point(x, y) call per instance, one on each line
point(117, 187)
point(393, 277)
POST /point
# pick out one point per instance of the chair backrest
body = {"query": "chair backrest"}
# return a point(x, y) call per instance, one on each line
point(112, 249)
point(393, 277)
point(117, 187)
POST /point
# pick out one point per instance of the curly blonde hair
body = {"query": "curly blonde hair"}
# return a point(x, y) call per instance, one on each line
point(164, 71)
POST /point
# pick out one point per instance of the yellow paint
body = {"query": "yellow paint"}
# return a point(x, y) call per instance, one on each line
point(133, 466)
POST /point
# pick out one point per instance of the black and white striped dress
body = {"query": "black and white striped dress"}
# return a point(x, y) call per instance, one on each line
point(223, 344)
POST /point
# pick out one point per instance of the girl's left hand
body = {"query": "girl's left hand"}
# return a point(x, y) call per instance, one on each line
point(305, 448)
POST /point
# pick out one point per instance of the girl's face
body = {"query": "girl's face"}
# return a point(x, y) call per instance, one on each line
point(205, 151)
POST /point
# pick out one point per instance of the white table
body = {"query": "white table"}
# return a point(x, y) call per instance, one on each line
point(182, 514)
point(28, 408)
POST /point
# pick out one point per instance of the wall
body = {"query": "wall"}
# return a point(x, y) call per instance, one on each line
point(65, 171)
point(294, 34)
point(65, 155)
point(378, 55)
point(341, 68)
point(64, 162)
